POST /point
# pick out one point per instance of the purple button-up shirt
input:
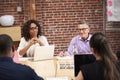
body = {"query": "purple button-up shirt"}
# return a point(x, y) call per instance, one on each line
point(79, 46)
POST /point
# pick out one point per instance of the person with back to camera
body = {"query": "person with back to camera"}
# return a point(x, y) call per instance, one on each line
point(31, 37)
point(106, 66)
point(80, 43)
point(10, 70)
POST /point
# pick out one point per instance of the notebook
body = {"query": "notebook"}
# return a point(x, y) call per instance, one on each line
point(82, 59)
point(43, 53)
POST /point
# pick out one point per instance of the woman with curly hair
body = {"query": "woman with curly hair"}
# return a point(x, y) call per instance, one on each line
point(31, 37)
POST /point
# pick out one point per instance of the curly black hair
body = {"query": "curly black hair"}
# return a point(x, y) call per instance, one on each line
point(26, 27)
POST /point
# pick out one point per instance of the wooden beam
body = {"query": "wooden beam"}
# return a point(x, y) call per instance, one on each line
point(32, 10)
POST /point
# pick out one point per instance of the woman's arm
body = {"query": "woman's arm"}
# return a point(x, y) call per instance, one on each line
point(43, 41)
point(22, 49)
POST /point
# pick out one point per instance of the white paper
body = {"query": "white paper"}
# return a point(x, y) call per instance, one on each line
point(25, 59)
point(66, 57)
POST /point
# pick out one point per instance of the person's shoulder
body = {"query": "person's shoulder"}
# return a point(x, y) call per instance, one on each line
point(25, 70)
point(76, 37)
point(22, 65)
point(41, 36)
point(92, 65)
point(22, 38)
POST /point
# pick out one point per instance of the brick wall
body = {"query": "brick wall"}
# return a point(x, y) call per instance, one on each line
point(59, 19)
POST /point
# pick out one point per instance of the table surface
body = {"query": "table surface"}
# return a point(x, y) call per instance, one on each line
point(59, 67)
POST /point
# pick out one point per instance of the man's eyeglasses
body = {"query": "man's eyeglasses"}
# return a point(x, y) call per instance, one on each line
point(82, 29)
point(34, 28)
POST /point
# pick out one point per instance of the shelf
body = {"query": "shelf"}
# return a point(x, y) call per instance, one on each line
point(14, 32)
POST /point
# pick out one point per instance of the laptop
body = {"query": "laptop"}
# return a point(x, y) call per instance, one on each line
point(43, 53)
point(82, 59)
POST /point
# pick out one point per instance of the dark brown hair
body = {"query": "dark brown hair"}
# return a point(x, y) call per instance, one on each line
point(26, 27)
point(101, 46)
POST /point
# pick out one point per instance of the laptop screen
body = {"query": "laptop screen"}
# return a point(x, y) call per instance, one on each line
point(44, 52)
point(80, 60)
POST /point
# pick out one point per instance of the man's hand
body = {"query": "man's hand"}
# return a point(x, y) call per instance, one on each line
point(62, 54)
